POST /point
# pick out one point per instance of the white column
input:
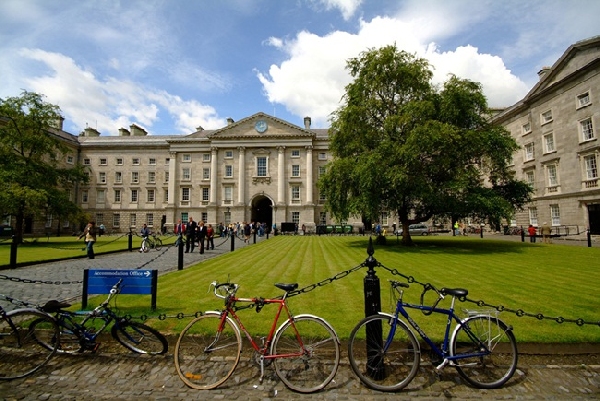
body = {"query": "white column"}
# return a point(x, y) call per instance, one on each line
point(173, 196)
point(242, 175)
point(213, 176)
point(309, 175)
point(281, 178)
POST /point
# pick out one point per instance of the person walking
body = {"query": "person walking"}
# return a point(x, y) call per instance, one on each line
point(190, 235)
point(201, 234)
point(210, 233)
point(247, 231)
point(90, 238)
point(532, 233)
point(546, 233)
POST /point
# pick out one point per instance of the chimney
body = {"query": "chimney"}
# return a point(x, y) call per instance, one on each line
point(543, 72)
point(90, 132)
point(230, 121)
point(58, 123)
point(124, 132)
point(307, 122)
point(199, 128)
point(136, 130)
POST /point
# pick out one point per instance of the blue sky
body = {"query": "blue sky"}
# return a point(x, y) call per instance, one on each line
point(173, 65)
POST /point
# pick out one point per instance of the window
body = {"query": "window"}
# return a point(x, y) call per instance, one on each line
point(205, 157)
point(152, 161)
point(533, 216)
point(526, 128)
point(133, 219)
point(185, 194)
point(587, 129)
point(530, 177)
point(102, 178)
point(99, 218)
point(117, 196)
point(261, 166)
point(166, 176)
point(100, 196)
point(204, 216)
point(185, 174)
point(84, 196)
point(70, 159)
point(229, 171)
point(206, 173)
point(135, 177)
point(135, 161)
point(227, 194)
point(151, 196)
point(296, 217)
point(549, 143)
point(322, 198)
point(552, 175)
point(186, 158)
point(296, 170)
point(119, 161)
point(205, 194)
point(583, 99)
point(322, 218)
point(322, 171)
point(384, 218)
point(49, 220)
point(227, 218)
point(295, 193)
point(591, 171)
point(555, 215)
point(229, 154)
point(66, 223)
point(103, 161)
point(134, 195)
point(295, 153)
point(116, 220)
point(322, 156)
point(529, 151)
point(118, 177)
point(149, 219)
point(546, 117)
point(86, 162)
point(151, 176)
point(166, 195)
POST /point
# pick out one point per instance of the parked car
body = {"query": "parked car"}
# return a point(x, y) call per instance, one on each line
point(416, 229)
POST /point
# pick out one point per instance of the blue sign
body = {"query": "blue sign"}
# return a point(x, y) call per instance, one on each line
point(140, 282)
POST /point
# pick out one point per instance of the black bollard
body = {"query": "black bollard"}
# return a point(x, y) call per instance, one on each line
point(522, 234)
point(232, 241)
point(13, 252)
point(589, 238)
point(180, 253)
point(254, 236)
point(372, 291)
point(481, 231)
point(130, 241)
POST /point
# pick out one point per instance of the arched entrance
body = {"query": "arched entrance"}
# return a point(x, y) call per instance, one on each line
point(262, 210)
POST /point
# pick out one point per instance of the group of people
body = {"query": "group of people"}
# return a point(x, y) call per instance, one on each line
point(196, 233)
point(546, 232)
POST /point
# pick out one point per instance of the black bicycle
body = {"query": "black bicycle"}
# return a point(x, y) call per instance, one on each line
point(79, 331)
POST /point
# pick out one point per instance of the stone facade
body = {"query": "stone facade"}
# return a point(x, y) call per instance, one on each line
point(556, 128)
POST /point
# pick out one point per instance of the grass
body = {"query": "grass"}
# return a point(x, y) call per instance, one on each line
point(554, 280)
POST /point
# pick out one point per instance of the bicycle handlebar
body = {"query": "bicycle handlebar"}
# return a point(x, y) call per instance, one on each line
point(229, 288)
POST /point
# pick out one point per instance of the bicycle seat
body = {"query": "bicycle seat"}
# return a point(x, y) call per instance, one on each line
point(286, 287)
point(54, 306)
point(455, 292)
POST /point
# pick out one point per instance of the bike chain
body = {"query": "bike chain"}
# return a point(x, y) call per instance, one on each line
point(499, 308)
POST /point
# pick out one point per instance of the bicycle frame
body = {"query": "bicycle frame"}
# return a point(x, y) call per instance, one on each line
point(444, 352)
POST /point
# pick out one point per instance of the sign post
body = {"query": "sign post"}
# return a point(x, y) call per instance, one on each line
point(141, 282)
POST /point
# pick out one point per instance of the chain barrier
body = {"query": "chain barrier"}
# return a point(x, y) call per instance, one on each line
point(499, 308)
point(329, 280)
point(29, 281)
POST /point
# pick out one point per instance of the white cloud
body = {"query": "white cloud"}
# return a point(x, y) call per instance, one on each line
point(110, 104)
point(346, 7)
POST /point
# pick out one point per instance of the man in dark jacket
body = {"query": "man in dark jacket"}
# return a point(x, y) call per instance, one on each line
point(190, 235)
point(201, 232)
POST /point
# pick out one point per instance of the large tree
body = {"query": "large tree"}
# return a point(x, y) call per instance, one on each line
point(399, 143)
point(34, 180)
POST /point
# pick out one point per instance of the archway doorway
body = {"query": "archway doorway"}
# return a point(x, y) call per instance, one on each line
point(262, 210)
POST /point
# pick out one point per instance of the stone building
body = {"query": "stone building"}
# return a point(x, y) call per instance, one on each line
point(555, 125)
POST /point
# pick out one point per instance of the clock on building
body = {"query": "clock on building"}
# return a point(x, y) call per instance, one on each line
point(261, 126)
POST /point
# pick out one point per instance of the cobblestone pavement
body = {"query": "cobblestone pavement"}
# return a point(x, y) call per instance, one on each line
point(117, 374)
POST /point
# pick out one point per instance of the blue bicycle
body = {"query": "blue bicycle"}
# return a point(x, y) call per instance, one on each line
point(385, 354)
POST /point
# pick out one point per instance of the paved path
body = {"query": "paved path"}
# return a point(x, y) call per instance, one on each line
point(112, 374)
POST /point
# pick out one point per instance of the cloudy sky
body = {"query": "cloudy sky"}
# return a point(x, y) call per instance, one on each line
point(173, 65)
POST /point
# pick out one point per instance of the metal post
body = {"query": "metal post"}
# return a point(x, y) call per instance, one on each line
point(130, 240)
point(522, 234)
point(13, 252)
point(180, 253)
point(254, 235)
point(589, 238)
point(373, 306)
point(481, 230)
point(232, 240)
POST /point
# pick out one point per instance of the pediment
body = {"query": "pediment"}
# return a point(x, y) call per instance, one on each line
point(260, 126)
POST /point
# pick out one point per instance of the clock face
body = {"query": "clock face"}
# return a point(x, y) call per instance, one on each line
point(260, 126)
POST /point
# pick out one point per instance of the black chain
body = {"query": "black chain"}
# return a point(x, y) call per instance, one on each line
point(330, 280)
point(29, 281)
point(499, 308)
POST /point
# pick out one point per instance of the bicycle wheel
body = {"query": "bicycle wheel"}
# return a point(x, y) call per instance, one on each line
point(145, 247)
point(68, 341)
point(158, 244)
point(20, 352)
point(203, 359)
point(317, 356)
point(376, 367)
point(473, 336)
point(138, 337)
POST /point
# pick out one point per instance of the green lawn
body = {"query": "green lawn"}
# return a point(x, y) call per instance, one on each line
point(553, 280)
